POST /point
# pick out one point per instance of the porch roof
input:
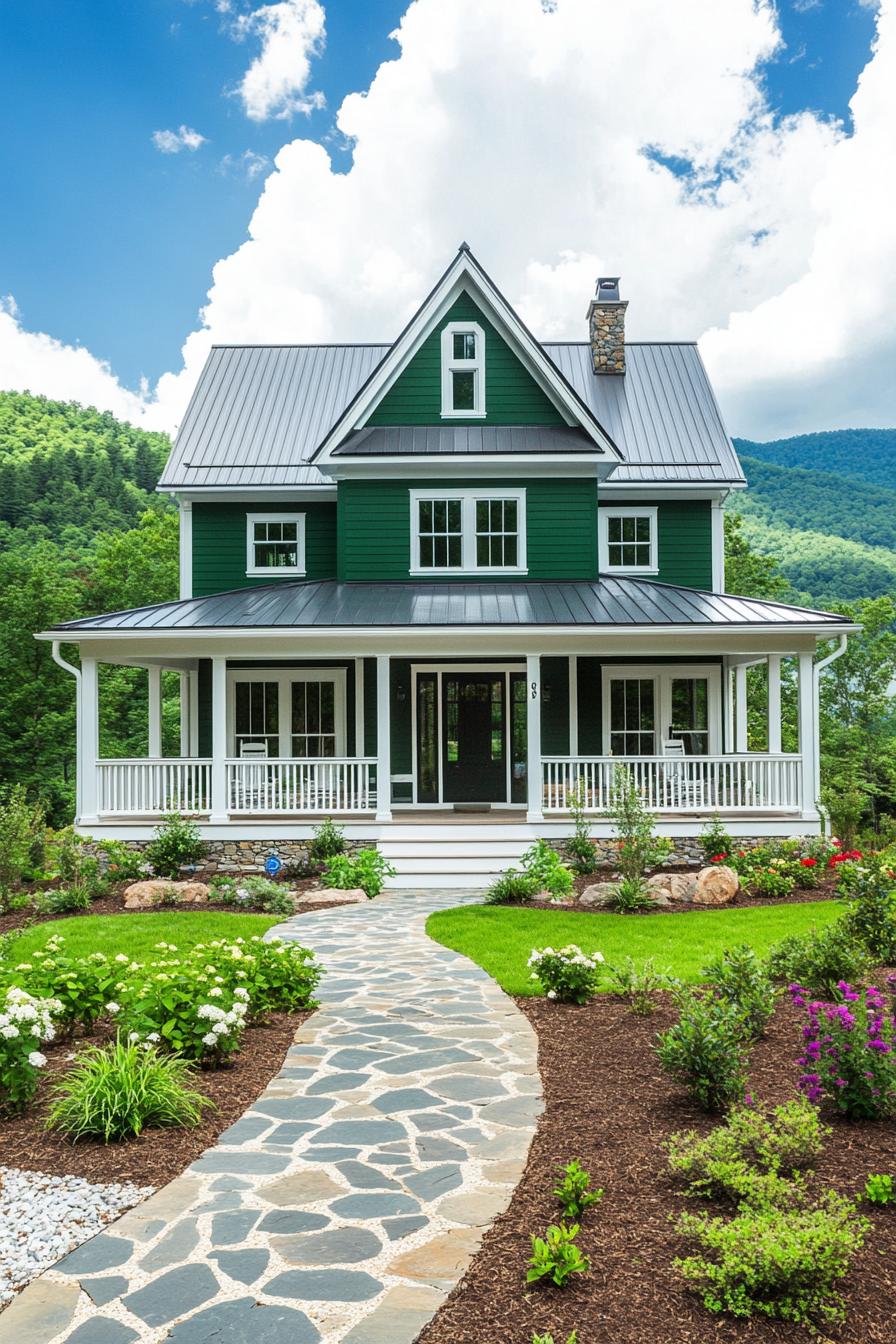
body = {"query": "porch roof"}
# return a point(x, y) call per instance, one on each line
point(606, 602)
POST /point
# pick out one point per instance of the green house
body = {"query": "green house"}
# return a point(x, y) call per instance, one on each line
point(439, 586)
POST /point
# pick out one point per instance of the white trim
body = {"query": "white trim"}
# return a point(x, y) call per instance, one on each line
point(465, 273)
point(383, 739)
point(275, 571)
point(451, 365)
point(774, 702)
point(717, 524)
point(185, 548)
point(193, 680)
point(662, 675)
point(154, 698)
point(808, 740)
point(469, 497)
point(284, 677)
point(359, 708)
point(535, 807)
point(224, 494)
point(219, 740)
point(711, 490)
point(573, 661)
point(604, 514)
point(89, 744)
point(740, 707)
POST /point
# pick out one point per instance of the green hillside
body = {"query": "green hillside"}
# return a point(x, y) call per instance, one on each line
point(863, 454)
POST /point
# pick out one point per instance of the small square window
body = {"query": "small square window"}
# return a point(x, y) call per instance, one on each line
point(629, 540)
point(275, 544)
point(465, 345)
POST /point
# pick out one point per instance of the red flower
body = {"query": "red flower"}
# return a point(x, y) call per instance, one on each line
point(808, 863)
point(718, 858)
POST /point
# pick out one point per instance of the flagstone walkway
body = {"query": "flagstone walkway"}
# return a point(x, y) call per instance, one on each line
point(349, 1199)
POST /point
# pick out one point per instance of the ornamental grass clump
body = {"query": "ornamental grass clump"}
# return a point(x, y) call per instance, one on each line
point(25, 1023)
point(118, 1091)
point(848, 1052)
point(738, 976)
point(706, 1050)
point(568, 974)
point(511, 886)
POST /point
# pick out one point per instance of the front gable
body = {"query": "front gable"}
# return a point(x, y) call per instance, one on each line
point(512, 396)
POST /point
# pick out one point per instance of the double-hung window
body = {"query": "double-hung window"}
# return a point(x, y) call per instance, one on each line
point(275, 543)
point(468, 531)
point(628, 540)
point(463, 371)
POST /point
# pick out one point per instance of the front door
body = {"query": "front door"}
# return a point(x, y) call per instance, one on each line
point(475, 738)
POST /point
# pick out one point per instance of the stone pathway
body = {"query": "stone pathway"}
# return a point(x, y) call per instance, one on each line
point(349, 1199)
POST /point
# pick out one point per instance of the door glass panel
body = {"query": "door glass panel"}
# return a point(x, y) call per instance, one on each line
point(690, 714)
point(518, 738)
point(497, 720)
point(256, 716)
point(452, 716)
point(313, 719)
point(427, 739)
point(632, 716)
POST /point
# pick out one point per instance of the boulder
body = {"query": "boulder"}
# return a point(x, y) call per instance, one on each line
point(681, 886)
point(162, 891)
point(599, 893)
point(333, 896)
point(716, 886)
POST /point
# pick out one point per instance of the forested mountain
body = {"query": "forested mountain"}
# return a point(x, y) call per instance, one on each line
point(863, 454)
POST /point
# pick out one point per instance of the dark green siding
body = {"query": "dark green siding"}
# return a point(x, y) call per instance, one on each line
point(375, 526)
point(555, 706)
point(219, 544)
point(204, 697)
point(589, 707)
point(512, 397)
point(370, 744)
point(685, 539)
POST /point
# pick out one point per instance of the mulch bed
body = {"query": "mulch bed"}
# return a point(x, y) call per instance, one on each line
point(609, 1104)
point(157, 1155)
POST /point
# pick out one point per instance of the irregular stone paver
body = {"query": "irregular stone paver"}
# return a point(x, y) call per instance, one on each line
point(351, 1196)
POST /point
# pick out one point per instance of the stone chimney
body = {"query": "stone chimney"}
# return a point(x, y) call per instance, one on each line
point(606, 327)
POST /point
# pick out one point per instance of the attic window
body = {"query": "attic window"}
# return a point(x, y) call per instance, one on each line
point(463, 371)
point(275, 543)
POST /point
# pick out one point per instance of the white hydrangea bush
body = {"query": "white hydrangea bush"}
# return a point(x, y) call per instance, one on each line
point(568, 975)
point(25, 1023)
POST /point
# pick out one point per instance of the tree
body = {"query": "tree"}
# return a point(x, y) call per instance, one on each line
point(747, 573)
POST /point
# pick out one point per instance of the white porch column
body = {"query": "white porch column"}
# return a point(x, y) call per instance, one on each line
point(185, 548)
point(717, 516)
point(535, 810)
point(359, 707)
point(808, 744)
point(728, 705)
point(740, 708)
point(154, 677)
point(193, 689)
point(383, 741)
point(573, 704)
point(219, 740)
point(184, 699)
point(774, 703)
point(89, 741)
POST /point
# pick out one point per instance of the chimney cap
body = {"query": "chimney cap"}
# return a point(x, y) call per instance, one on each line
point(607, 288)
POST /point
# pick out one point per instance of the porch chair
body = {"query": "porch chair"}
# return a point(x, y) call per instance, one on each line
point(249, 786)
point(677, 785)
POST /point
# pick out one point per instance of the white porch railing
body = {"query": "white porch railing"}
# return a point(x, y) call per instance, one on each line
point(737, 783)
point(343, 784)
point(143, 786)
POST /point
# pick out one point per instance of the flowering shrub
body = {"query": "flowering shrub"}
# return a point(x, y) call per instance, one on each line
point(844, 856)
point(25, 1023)
point(547, 870)
point(772, 882)
point(184, 1009)
point(281, 977)
point(567, 975)
point(715, 841)
point(848, 1052)
point(706, 1050)
point(819, 959)
point(81, 985)
point(251, 893)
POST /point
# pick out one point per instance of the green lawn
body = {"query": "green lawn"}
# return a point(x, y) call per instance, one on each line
point(137, 935)
point(501, 938)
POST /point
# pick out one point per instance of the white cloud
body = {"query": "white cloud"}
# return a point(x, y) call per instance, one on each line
point(248, 164)
point(526, 132)
point(172, 142)
point(291, 33)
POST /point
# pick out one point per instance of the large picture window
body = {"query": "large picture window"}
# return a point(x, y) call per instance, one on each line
point(468, 531)
point(628, 540)
point(275, 543)
point(296, 713)
point(463, 370)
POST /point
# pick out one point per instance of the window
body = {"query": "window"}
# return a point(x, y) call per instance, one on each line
point(293, 713)
point(275, 543)
point(467, 531)
point(463, 370)
point(647, 706)
point(628, 540)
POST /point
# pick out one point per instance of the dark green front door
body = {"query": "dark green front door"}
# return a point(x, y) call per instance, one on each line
point(474, 752)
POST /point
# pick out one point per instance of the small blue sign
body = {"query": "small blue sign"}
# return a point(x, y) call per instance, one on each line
point(272, 865)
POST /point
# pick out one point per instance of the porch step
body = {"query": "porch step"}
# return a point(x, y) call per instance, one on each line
point(450, 862)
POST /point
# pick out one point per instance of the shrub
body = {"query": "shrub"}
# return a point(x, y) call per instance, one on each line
point(556, 1256)
point(870, 893)
point(568, 975)
point(819, 959)
point(845, 806)
point(81, 985)
point(367, 869)
point(511, 886)
point(281, 977)
point(805, 873)
point(118, 1091)
point(176, 844)
point(122, 863)
point(880, 1190)
point(62, 901)
point(640, 848)
point(327, 840)
point(251, 893)
point(25, 1023)
point(189, 1008)
point(848, 1052)
point(68, 861)
point(706, 1050)
point(715, 841)
point(736, 1158)
point(547, 870)
point(777, 1262)
point(638, 984)
point(574, 1192)
point(771, 882)
point(21, 834)
point(740, 977)
point(580, 846)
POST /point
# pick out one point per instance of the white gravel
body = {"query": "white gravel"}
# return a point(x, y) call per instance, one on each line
point(43, 1217)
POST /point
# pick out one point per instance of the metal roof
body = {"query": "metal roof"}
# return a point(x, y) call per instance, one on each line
point(328, 603)
point(451, 440)
point(259, 412)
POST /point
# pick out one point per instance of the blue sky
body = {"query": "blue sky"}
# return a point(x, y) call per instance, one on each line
point(110, 243)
